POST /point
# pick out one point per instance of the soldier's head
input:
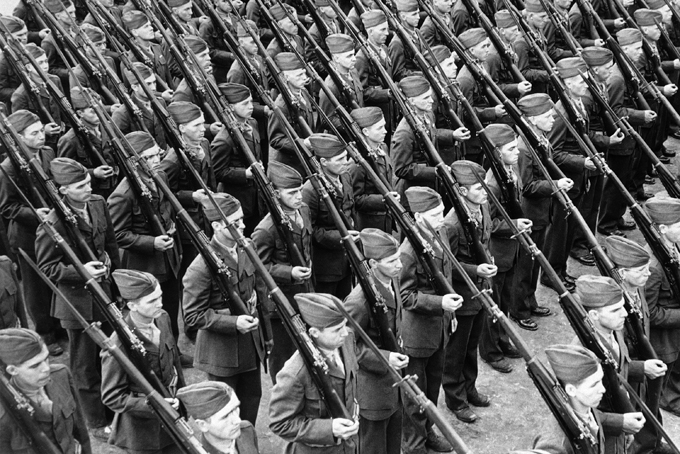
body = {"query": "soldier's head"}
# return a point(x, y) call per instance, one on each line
point(293, 70)
point(215, 409)
point(663, 8)
point(418, 91)
point(539, 109)
point(444, 58)
point(372, 123)
point(375, 23)
point(477, 42)
point(466, 174)
point(382, 251)
point(142, 293)
point(504, 140)
point(239, 98)
point(630, 40)
point(325, 9)
point(341, 47)
point(30, 128)
point(507, 26)
point(630, 258)
point(138, 25)
point(63, 10)
point(26, 357)
point(579, 372)
point(148, 150)
point(442, 6)
point(283, 15)
point(199, 48)
point(563, 4)
point(16, 27)
point(74, 181)
point(227, 6)
point(189, 119)
point(332, 153)
point(40, 57)
point(665, 212)
point(570, 70)
point(147, 75)
point(327, 326)
point(600, 61)
point(182, 9)
point(287, 185)
point(647, 20)
point(244, 39)
point(81, 101)
point(602, 297)
point(96, 36)
point(536, 16)
point(409, 12)
point(426, 205)
point(231, 207)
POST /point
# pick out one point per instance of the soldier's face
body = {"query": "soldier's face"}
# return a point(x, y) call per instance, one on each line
point(610, 317)
point(42, 62)
point(67, 17)
point(150, 82)
point(89, 115)
point(476, 194)
point(328, 11)
point(538, 20)
point(672, 232)
point(336, 165)
point(390, 266)
point(152, 156)
point(331, 337)
point(378, 34)
point(184, 12)
point(667, 15)
point(435, 216)
point(449, 67)
point(634, 51)
point(564, 4)
point(244, 109)
point(545, 121)
point(603, 72)
point(297, 78)
point(590, 391)
point(290, 198)
point(651, 32)
point(144, 32)
point(223, 232)
point(288, 26)
point(443, 6)
point(149, 307)
point(423, 102)
point(636, 277)
point(248, 44)
point(226, 423)
point(482, 50)
point(511, 33)
point(203, 59)
point(411, 18)
point(510, 153)
point(377, 132)
point(577, 86)
point(79, 192)
point(345, 60)
point(33, 373)
point(21, 35)
point(194, 130)
point(34, 136)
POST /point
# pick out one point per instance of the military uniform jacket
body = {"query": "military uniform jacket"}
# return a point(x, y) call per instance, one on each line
point(374, 92)
point(123, 118)
point(556, 46)
point(430, 31)
point(65, 427)
point(23, 12)
point(9, 80)
point(624, 105)
point(274, 48)
point(160, 63)
point(220, 348)
point(298, 414)
point(527, 62)
point(403, 62)
point(12, 311)
point(553, 440)
point(22, 100)
point(134, 232)
point(20, 219)
point(537, 197)
point(283, 148)
point(377, 398)
point(310, 56)
point(84, 80)
point(502, 246)
point(425, 326)
point(273, 252)
point(357, 92)
point(664, 314)
point(135, 425)
point(220, 56)
point(101, 240)
point(57, 66)
point(246, 443)
point(371, 210)
point(330, 261)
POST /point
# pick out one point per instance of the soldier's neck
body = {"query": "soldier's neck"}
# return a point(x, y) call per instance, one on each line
point(143, 43)
point(605, 332)
point(222, 444)
point(76, 205)
point(384, 279)
point(139, 319)
point(191, 143)
point(373, 144)
point(472, 205)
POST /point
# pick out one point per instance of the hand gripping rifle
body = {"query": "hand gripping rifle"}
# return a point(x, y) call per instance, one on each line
point(552, 393)
point(176, 425)
point(409, 387)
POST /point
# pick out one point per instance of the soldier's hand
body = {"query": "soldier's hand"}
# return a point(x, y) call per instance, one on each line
point(655, 368)
point(650, 116)
point(344, 428)
point(246, 323)
point(461, 134)
point(589, 164)
point(599, 43)
point(452, 302)
point(115, 107)
point(486, 270)
point(565, 184)
point(199, 196)
point(167, 95)
point(395, 195)
point(43, 212)
point(617, 137)
point(96, 269)
point(499, 111)
point(670, 90)
point(203, 19)
point(52, 129)
point(633, 422)
point(676, 63)
point(43, 33)
point(163, 243)
point(249, 174)
point(300, 273)
point(308, 19)
point(524, 224)
point(397, 360)
point(173, 401)
point(619, 23)
point(216, 127)
point(103, 172)
point(524, 87)
point(355, 235)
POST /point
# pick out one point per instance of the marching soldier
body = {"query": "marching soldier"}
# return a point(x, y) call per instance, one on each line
point(329, 17)
point(50, 391)
point(65, 13)
point(272, 249)
point(229, 347)
point(297, 412)
point(215, 409)
point(182, 10)
point(220, 55)
point(379, 402)
point(430, 30)
point(135, 427)
point(403, 63)
point(36, 32)
point(143, 34)
point(199, 48)
point(94, 224)
point(287, 26)
point(9, 80)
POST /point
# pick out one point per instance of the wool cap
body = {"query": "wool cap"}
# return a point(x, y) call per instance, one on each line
point(466, 172)
point(141, 68)
point(326, 145)
point(627, 36)
point(57, 6)
point(407, 6)
point(572, 363)
point(321, 3)
point(18, 345)
point(378, 244)
point(204, 399)
point(533, 6)
point(12, 24)
point(196, 45)
point(34, 50)
point(648, 17)
point(177, 3)
point(94, 34)
point(183, 112)
point(471, 37)
point(422, 199)
point(140, 141)
point(80, 100)
point(134, 284)
point(440, 52)
point(663, 210)
point(226, 202)
point(22, 119)
point(373, 18)
point(626, 253)
point(367, 116)
point(242, 32)
point(655, 4)
point(67, 171)
point(288, 61)
point(571, 67)
point(318, 310)
point(535, 104)
point(500, 134)
point(597, 56)
point(134, 19)
point(413, 86)
point(279, 13)
point(234, 93)
point(283, 176)
point(339, 43)
point(598, 291)
point(504, 19)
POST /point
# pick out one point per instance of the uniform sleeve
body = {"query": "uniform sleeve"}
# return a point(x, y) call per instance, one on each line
point(366, 357)
point(327, 237)
point(51, 259)
point(530, 74)
point(532, 187)
point(264, 238)
point(403, 144)
point(11, 206)
point(120, 207)
point(116, 393)
point(362, 200)
point(565, 160)
point(659, 316)
point(414, 299)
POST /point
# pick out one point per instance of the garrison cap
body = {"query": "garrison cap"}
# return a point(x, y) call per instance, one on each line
point(598, 291)
point(504, 19)
point(571, 67)
point(648, 17)
point(18, 345)
point(226, 202)
point(597, 56)
point(22, 119)
point(94, 33)
point(422, 199)
point(326, 145)
point(242, 32)
point(141, 68)
point(533, 6)
point(288, 61)
point(196, 45)
point(626, 253)
point(78, 98)
point(535, 104)
point(67, 171)
point(234, 92)
point(12, 24)
point(279, 13)
point(318, 310)
point(663, 210)
point(140, 141)
point(34, 50)
point(134, 284)
point(627, 36)
point(471, 37)
point(500, 134)
point(655, 4)
point(413, 86)
point(378, 244)
point(406, 6)
point(367, 116)
point(183, 112)
point(204, 399)
point(283, 176)
point(572, 363)
point(440, 52)
point(177, 3)
point(321, 3)
point(373, 18)
point(57, 6)
point(339, 43)
point(529, 451)
point(134, 19)
point(464, 171)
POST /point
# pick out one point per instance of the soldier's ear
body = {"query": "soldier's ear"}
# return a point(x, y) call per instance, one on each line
point(62, 190)
point(202, 425)
point(12, 370)
point(570, 390)
point(314, 332)
point(323, 161)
